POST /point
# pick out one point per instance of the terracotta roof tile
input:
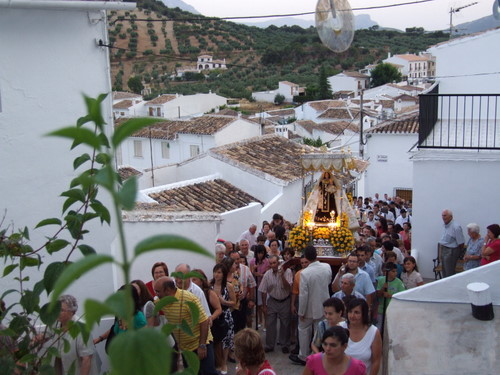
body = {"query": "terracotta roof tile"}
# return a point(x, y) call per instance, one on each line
point(402, 125)
point(127, 172)
point(355, 74)
point(336, 113)
point(206, 125)
point(124, 95)
point(124, 104)
point(213, 196)
point(270, 154)
point(338, 127)
point(162, 99)
point(289, 83)
point(406, 97)
point(282, 112)
point(405, 87)
point(412, 57)
point(228, 112)
point(309, 125)
point(323, 105)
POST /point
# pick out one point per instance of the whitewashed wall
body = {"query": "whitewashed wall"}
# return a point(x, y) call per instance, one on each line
point(237, 221)
point(49, 58)
point(265, 96)
point(465, 182)
point(463, 58)
point(431, 330)
point(397, 171)
point(238, 130)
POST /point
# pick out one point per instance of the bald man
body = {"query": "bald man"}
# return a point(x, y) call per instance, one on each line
point(451, 243)
point(191, 287)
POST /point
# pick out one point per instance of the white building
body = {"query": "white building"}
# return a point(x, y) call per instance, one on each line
point(387, 149)
point(458, 154)
point(349, 81)
point(206, 62)
point(177, 106)
point(170, 142)
point(127, 104)
point(415, 68)
point(285, 88)
point(49, 58)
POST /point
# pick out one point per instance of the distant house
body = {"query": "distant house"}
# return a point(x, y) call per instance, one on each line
point(416, 68)
point(351, 81)
point(206, 62)
point(126, 104)
point(312, 110)
point(170, 142)
point(333, 134)
point(177, 106)
point(285, 88)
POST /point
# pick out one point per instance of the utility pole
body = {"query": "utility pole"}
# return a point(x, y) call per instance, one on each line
point(456, 10)
point(361, 142)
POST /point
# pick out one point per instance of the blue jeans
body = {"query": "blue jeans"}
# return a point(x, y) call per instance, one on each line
point(207, 365)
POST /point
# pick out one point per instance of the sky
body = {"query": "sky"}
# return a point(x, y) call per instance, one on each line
point(433, 15)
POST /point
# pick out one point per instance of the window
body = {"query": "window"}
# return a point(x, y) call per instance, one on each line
point(158, 112)
point(138, 149)
point(165, 150)
point(194, 150)
point(151, 111)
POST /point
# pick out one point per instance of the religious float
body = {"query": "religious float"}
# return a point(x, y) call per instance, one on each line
point(328, 219)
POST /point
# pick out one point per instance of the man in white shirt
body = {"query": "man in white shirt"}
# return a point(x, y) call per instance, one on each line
point(371, 220)
point(245, 250)
point(403, 218)
point(250, 235)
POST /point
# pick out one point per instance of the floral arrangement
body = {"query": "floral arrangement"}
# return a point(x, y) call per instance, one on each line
point(322, 232)
point(342, 239)
point(298, 238)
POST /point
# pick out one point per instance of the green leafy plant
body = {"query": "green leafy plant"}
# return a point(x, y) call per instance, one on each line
point(22, 318)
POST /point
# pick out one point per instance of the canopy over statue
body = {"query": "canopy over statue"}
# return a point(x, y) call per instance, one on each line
point(328, 199)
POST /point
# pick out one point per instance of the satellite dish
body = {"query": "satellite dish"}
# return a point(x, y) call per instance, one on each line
point(335, 24)
point(496, 9)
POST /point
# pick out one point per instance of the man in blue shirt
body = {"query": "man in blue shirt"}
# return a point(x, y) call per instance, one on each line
point(451, 243)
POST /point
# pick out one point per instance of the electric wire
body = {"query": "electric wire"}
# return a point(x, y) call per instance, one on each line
point(268, 16)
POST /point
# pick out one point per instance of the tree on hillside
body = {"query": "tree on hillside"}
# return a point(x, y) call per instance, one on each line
point(279, 99)
point(384, 73)
point(324, 91)
point(135, 84)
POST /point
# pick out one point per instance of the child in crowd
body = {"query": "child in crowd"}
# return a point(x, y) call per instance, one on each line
point(410, 277)
point(333, 310)
point(386, 289)
point(391, 257)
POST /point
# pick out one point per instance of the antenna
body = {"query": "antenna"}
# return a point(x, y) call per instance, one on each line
point(456, 10)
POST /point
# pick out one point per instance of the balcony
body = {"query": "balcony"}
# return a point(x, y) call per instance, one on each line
point(459, 121)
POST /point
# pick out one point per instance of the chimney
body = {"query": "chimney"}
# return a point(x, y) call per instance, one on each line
point(388, 55)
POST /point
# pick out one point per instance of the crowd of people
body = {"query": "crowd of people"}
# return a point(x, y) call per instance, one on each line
point(329, 323)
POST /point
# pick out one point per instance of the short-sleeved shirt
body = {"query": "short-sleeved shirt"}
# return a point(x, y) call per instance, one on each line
point(473, 248)
point(364, 284)
point(495, 245)
point(393, 287)
point(411, 280)
point(272, 284)
point(178, 311)
point(315, 364)
point(452, 235)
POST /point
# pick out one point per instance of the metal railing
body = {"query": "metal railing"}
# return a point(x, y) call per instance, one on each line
point(459, 121)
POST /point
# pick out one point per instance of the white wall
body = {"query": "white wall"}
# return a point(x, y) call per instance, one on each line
point(49, 58)
point(463, 57)
point(382, 177)
point(237, 221)
point(236, 131)
point(188, 105)
point(265, 96)
point(465, 182)
point(431, 330)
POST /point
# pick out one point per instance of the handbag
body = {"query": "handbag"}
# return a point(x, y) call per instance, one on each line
point(219, 328)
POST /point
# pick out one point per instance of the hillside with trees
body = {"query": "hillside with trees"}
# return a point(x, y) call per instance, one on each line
point(151, 42)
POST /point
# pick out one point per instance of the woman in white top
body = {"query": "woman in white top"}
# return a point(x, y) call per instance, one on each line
point(365, 342)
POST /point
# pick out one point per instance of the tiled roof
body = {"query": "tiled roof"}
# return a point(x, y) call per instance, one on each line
point(338, 127)
point(127, 172)
point(270, 154)
point(386, 103)
point(323, 105)
point(288, 83)
point(124, 104)
point(408, 109)
point(336, 113)
point(412, 57)
point(162, 99)
point(213, 196)
point(355, 74)
point(206, 125)
point(402, 125)
point(406, 98)
point(124, 95)
point(405, 87)
point(309, 125)
point(228, 112)
point(282, 112)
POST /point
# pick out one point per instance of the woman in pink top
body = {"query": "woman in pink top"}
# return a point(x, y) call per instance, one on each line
point(334, 360)
point(491, 248)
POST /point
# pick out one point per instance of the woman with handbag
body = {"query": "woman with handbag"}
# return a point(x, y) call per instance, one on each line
point(227, 297)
